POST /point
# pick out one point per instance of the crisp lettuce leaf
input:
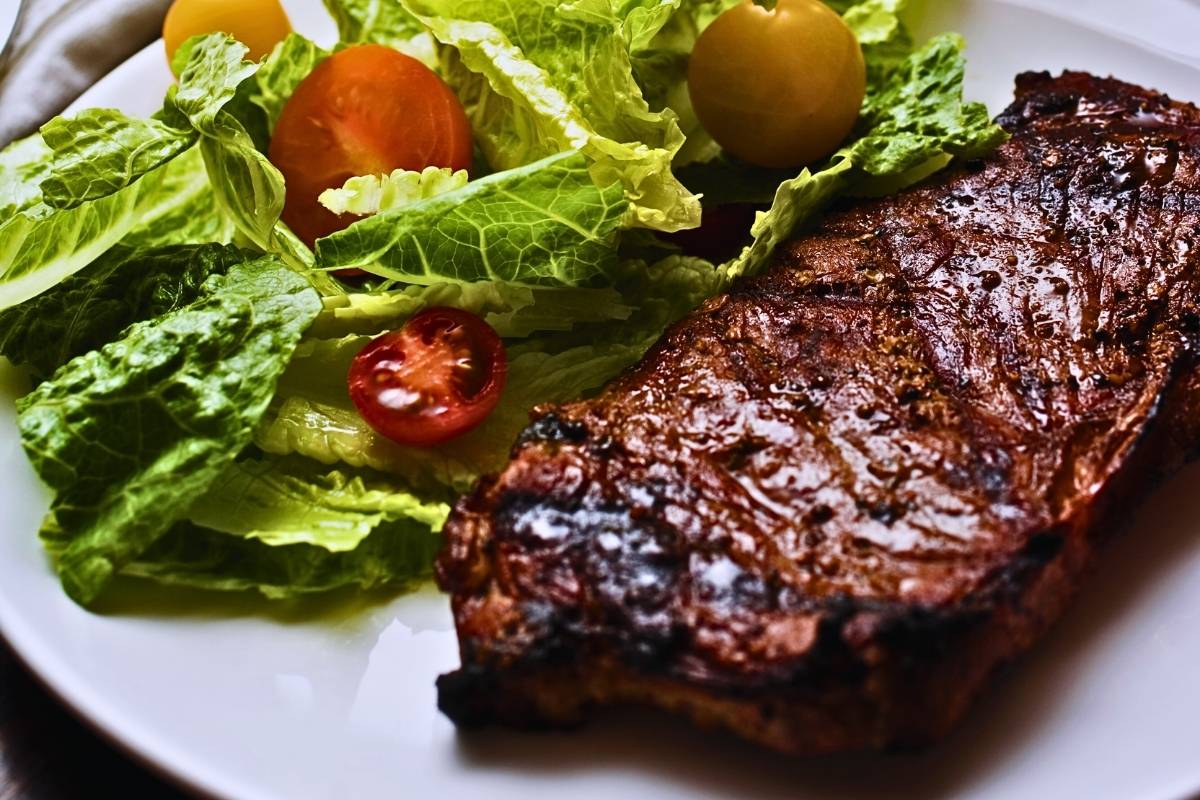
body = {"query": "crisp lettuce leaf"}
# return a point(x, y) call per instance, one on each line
point(220, 98)
point(130, 435)
point(877, 24)
point(105, 176)
point(288, 526)
point(216, 68)
point(540, 77)
point(660, 67)
point(377, 21)
point(371, 194)
point(513, 311)
point(281, 72)
point(189, 213)
point(666, 290)
point(247, 186)
point(394, 555)
point(40, 246)
point(100, 152)
point(91, 308)
point(637, 20)
point(285, 501)
point(382, 22)
point(916, 116)
point(546, 223)
point(24, 164)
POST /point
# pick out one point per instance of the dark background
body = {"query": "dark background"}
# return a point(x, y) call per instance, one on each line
point(47, 754)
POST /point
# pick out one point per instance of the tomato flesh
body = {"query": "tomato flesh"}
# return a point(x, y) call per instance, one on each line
point(366, 110)
point(433, 380)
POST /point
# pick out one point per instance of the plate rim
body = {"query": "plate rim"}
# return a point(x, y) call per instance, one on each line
point(67, 683)
point(103, 717)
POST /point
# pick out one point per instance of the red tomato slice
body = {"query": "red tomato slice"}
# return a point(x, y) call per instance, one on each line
point(366, 110)
point(431, 381)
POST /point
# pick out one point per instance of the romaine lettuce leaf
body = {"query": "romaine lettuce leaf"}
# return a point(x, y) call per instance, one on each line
point(24, 164)
point(378, 21)
point(394, 555)
point(660, 67)
point(218, 97)
point(540, 77)
point(247, 186)
point(284, 501)
point(100, 151)
point(288, 527)
point(664, 291)
point(40, 246)
point(130, 435)
point(371, 194)
point(105, 176)
point(58, 228)
point(884, 38)
point(215, 69)
point(513, 311)
point(546, 223)
point(382, 22)
point(189, 215)
point(92, 307)
point(281, 72)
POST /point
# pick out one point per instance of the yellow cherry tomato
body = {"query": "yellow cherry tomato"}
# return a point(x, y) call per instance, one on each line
point(778, 87)
point(258, 24)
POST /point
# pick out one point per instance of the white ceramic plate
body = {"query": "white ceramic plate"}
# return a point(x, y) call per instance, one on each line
point(245, 700)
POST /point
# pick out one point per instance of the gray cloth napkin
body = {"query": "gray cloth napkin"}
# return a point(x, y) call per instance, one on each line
point(61, 47)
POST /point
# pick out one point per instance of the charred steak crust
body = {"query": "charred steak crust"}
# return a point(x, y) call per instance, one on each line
point(829, 504)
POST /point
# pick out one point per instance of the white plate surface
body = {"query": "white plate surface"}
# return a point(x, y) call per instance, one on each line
point(241, 699)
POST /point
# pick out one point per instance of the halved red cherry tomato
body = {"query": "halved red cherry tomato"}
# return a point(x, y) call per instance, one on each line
point(436, 378)
point(366, 110)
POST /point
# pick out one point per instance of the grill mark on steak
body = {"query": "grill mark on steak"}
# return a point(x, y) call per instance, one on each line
point(827, 505)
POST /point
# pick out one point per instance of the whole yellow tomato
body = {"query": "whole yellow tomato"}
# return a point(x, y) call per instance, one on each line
point(780, 86)
point(258, 24)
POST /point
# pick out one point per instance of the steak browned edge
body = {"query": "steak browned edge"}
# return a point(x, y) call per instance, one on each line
point(828, 505)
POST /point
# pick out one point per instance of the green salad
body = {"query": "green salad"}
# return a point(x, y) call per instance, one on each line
point(189, 349)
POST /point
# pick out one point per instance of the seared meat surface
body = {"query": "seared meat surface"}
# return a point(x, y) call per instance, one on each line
point(828, 505)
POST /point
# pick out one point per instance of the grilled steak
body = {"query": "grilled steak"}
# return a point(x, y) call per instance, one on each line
point(828, 505)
